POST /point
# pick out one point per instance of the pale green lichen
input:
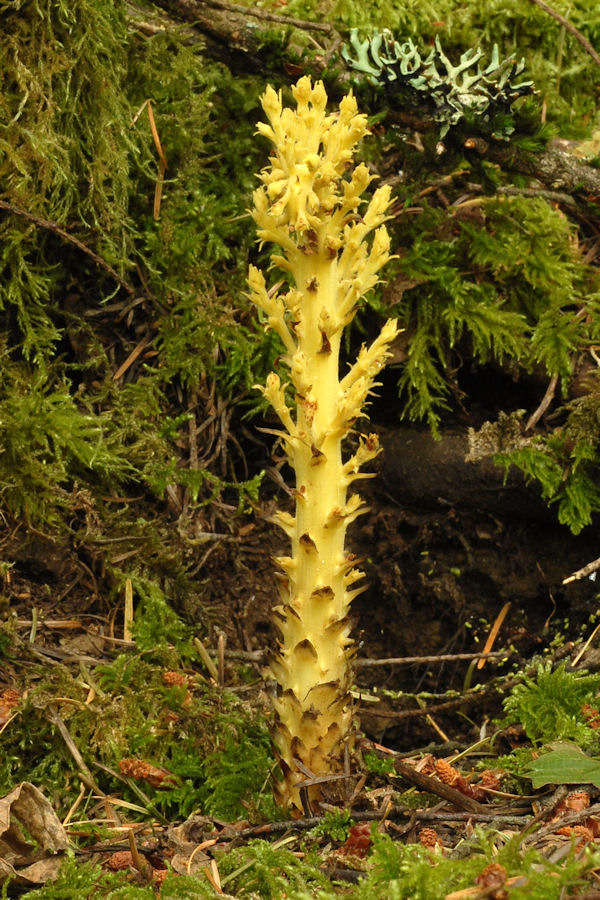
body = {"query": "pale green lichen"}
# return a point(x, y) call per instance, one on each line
point(468, 88)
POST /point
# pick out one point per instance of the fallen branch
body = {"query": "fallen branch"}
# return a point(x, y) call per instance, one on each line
point(474, 696)
point(558, 170)
point(584, 572)
point(439, 788)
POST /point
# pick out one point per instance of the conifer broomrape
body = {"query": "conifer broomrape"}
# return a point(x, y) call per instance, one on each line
point(309, 209)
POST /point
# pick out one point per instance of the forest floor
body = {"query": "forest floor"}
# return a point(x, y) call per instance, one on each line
point(154, 759)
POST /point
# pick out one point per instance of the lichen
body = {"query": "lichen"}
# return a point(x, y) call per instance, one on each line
point(467, 89)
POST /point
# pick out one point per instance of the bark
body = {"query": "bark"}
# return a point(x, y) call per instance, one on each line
point(554, 168)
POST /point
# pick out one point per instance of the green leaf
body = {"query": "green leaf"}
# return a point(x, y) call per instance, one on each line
point(565, 764)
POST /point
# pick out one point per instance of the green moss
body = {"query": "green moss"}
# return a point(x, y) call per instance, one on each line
point(268, 871)
point(378, 765)
point(86, 881)
point(238, 773)
point(501, 289)
point(76, 149)
point(402, 872)
point(335, 825)
point(64, 153)
point(549, 706)
point(215, 747)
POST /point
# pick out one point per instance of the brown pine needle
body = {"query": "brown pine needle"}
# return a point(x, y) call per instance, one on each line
point(162, 165)
point(131, 358)
point(128, 612)
point(494, 633)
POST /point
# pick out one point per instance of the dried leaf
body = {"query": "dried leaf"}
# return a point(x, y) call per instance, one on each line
point(30, 831)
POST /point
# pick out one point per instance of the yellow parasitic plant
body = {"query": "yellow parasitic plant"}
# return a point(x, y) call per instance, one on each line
point(308, 205)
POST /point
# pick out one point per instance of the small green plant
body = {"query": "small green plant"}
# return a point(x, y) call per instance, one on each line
point(564, 462)
point(216, 750)
point(412, 872)
point(377, 764)
point(237, 775)
point(86, 881)
point(335, 825)
point(549, 705)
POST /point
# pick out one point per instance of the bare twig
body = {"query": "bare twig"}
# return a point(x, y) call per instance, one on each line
point(54, 227)
point(132, 357)
point(260, 656)
point(589, 569)
point(570, 28)
point(84, 771)
point(425, 815)
point(441, 658)
point(546, 401)
point(474, 696)
point(569, 819)
point(555, 196)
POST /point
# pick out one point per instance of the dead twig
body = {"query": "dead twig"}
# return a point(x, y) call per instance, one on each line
point(584, 572)
point(553, 196)
point(84, 772)
point(137, 351)
point(260, 656)
point(570, 819)
point(474, 696)
point(428, 660)
point(396, 812)
point(55, 228)
point(570, 28)
point(546, 401)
